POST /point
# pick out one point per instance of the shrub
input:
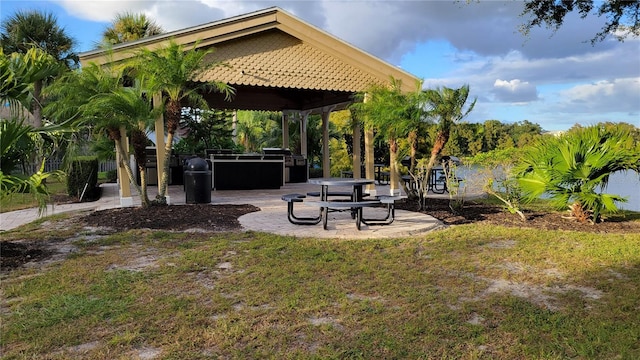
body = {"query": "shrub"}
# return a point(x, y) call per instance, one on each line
point(82, 172)
point(574, 169)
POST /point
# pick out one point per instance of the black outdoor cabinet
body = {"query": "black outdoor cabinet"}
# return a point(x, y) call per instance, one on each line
point(298, 170)
point(247, 172)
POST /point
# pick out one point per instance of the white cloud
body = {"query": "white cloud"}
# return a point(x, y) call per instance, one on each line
point(487, 52)
point(514, 91)
point(618, 95)
point(102, 10)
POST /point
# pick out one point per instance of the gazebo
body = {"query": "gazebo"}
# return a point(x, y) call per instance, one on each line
point(277, 62)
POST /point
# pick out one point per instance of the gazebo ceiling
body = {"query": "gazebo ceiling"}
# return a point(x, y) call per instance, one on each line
point(250, 97)
point(274, 61)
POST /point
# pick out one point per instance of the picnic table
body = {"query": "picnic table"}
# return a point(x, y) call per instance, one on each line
point(338, 200)
point(355, 203)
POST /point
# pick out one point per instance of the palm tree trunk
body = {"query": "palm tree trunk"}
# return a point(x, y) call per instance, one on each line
point(413, 142)
point(441, 140)
point(36, 108)
point(173, 118)
point(123, 155)
point(138, 143)
point(393, 162)
point(164, 180)
point(143, 186)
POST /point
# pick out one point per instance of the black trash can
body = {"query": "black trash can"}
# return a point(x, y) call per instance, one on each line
point(197, 181)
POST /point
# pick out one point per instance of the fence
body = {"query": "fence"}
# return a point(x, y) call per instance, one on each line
point(56, 164)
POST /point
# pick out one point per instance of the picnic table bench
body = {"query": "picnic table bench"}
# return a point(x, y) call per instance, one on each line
point(341, 205)
point(330, 206)
point(294, 198)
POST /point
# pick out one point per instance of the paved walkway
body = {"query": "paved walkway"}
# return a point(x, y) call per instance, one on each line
point(272, 218)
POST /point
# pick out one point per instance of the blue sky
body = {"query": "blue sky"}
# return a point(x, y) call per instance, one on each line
point(552, 79)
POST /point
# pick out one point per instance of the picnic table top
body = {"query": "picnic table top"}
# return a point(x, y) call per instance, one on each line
point(340, 181)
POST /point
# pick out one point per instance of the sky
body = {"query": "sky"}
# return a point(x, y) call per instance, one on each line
point(554, 79)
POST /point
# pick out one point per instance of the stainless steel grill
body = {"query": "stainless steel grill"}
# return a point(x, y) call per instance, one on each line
point(295, 164)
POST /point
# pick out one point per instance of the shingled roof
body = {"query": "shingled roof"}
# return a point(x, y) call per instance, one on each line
point(275, 61)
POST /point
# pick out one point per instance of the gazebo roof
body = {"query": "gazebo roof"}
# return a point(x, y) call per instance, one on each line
point(275, 61)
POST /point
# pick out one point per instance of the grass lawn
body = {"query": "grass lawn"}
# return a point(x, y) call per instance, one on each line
point(468, 292)
point(19, 201)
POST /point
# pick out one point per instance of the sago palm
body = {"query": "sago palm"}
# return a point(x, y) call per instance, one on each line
point(172, 71)
point(574, 169)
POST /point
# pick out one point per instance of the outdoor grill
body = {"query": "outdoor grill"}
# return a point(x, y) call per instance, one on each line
point(295, 164)
point(152, 168)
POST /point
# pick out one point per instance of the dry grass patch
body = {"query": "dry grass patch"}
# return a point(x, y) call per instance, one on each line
point(466, 292)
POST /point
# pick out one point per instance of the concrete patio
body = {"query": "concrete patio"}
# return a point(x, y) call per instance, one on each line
point(271, 218)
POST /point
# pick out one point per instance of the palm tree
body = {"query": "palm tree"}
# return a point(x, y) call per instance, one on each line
point(37, 30)
point(73, 89)
point(172, 71)
point(14, 82)
point(41, 68)
point(28, 29)
point(16, 74)
point(249, 130)
point(447, 106)
point(95, 98)
point(393, 114)
point(571, 168)
point(128, 108)
point(129, 27)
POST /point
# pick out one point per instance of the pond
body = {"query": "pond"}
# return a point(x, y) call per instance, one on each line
point(625, 184)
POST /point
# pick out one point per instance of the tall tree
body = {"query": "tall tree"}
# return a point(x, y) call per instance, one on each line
point(95, 98)
point(394, 114)
point(27, 30)
point(16, 138)
point(129, 27)
point(127, 108)
point(446, 105)
point(207, 129)
point(249, 130)
point(623, 16)
point(172, 71)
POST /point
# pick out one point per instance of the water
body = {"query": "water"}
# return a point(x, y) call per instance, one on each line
point(625, 184)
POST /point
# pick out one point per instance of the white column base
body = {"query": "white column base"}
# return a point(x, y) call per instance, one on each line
point(168, 199)
point(395, 192)
point(372, 192)
point(126, 201)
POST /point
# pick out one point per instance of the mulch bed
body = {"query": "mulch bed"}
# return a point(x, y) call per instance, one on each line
point(175, 217)
point(474, 212)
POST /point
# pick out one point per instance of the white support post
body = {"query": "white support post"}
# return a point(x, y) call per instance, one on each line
point(369, 156)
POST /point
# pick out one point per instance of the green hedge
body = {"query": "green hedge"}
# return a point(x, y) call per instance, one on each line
point(83, 170)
